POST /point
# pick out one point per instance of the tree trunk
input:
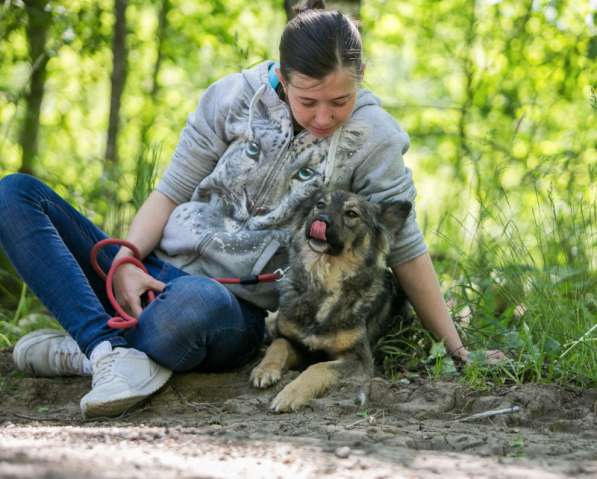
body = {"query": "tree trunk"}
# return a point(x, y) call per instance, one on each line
point(37, 31)
point(155, 86)
point(119, 70)
point(352, 8)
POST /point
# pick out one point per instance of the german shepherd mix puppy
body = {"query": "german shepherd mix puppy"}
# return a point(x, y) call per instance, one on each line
point(337, 299)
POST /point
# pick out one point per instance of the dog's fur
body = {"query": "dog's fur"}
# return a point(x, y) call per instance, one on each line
point(337, 299)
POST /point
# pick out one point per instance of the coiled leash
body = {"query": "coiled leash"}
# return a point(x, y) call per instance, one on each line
point(125, 320)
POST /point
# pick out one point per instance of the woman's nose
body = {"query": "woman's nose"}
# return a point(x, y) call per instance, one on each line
point(324, 117)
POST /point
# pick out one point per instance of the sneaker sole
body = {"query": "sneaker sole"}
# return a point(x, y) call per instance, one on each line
point(26, 342)
point(118, 406)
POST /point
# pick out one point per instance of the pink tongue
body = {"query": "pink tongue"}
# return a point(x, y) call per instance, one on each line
point(317, 230)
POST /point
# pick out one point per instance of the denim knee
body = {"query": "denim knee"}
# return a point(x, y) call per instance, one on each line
point(195, 299)
point(177, 327)
point(15, 187)
point(15, 184)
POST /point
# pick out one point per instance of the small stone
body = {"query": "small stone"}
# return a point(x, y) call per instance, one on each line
point(404, 381)
point(342, 452)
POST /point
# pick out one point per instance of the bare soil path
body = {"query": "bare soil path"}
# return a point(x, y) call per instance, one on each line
point(216, 426)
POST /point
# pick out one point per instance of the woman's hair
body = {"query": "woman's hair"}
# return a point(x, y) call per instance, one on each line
point(316, 43)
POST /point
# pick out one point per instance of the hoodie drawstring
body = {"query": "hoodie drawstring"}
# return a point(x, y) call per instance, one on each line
point(253, 149)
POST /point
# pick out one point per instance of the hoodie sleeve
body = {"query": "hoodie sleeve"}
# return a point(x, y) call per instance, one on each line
point(382, 177)
point(202, 142)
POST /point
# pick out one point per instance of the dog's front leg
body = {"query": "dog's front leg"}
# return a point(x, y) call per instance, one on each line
point(280, 356)
point(319, 377)
point(311, 383)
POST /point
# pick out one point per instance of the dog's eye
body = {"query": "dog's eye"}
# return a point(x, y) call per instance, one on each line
point(352, 214)
point(320, 205)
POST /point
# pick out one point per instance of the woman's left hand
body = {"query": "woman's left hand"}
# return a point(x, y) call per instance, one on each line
point(492, 356)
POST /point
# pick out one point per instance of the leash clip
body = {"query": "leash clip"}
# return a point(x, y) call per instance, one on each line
point(281, 272)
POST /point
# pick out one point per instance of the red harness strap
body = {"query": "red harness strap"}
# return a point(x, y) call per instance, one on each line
point(125, 320)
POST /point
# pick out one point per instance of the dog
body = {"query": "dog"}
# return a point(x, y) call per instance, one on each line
point(337, 299)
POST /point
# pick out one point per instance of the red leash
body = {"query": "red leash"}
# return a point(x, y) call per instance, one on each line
point(125, 320)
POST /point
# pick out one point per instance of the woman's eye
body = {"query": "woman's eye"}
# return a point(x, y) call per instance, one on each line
point(320, 205)
point(304, 174)
point(352, 214)
point(308, 105)
point(339, 104)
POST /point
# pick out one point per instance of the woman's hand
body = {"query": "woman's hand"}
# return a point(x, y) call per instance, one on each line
point(492, 356)
point(146, 230)
point(129, 284)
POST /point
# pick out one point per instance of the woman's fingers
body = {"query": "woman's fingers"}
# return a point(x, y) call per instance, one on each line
point(494, 356)
point(156, 285)
point(130, 283)
point(135, 307)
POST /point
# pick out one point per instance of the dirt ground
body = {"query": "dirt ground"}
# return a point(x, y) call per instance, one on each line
point(216, 425)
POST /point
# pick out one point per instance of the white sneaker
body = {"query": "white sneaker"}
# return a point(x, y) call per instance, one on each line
point(121, 378)
point(49, 352)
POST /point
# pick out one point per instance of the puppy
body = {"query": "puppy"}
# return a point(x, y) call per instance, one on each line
point(337, 299)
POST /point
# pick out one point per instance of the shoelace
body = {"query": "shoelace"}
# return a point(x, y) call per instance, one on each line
point(68, 358)
point(102, 369)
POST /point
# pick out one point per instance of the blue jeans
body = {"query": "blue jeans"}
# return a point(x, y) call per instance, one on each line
point(195, 323)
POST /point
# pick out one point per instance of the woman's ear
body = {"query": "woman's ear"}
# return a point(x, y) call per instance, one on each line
point(362, 71)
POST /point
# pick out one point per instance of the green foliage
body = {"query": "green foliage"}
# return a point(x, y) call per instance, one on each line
point(28, 316)
point(403, 350)
point(499, 98)
point(531, 295)
point(517, 447)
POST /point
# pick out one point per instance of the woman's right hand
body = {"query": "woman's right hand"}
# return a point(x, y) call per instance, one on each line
point(129, 284)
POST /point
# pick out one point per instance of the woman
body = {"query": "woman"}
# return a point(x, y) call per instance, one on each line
point(259, 144)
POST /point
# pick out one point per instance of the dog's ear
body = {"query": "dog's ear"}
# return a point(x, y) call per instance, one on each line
point(393, 215)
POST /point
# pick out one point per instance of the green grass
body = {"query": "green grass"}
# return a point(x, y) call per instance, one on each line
point(530, 292)
point(29, 315)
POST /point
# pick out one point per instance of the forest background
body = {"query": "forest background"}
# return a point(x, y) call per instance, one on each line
point(499, 99)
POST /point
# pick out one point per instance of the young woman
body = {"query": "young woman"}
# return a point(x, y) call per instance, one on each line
point(259, 144)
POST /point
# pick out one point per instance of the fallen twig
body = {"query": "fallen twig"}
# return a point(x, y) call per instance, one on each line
point(370, 419)
point(492, 413)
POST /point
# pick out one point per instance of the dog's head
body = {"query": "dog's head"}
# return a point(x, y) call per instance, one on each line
point(341, 221)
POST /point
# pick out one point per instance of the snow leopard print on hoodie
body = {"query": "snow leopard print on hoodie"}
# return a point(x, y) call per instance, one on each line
point(239, 173)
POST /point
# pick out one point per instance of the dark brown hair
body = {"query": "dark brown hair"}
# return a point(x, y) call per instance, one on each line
point(317, 42)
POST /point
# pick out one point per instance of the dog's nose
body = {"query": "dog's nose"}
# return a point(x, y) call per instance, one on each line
point(325, 218)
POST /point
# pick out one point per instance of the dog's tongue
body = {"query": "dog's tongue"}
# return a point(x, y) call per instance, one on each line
point(317, 230)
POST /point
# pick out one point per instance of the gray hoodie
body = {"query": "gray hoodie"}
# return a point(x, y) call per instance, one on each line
point(239, 173)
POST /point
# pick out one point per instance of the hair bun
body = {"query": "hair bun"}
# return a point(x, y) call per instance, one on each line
point(308, 5)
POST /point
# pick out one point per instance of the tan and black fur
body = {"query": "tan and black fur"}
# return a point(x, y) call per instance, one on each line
point(337, 299)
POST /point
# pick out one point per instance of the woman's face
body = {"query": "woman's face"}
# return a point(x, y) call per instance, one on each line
point(321, 105)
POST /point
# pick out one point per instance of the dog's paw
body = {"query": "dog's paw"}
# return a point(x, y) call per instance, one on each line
point(264, 376)
point(291, 398)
